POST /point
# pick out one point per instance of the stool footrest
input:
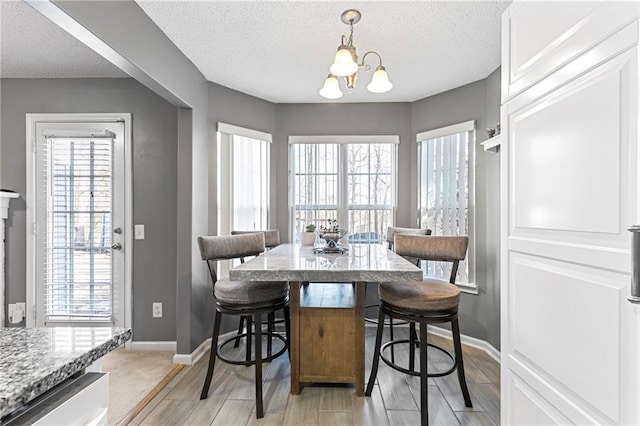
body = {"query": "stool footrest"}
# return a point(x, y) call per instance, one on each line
point(252, 361)
point(416, 372)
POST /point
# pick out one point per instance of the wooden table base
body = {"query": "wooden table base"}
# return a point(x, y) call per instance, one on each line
point(327, 334)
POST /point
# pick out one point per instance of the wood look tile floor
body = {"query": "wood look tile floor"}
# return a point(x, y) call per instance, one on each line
point(395, 399)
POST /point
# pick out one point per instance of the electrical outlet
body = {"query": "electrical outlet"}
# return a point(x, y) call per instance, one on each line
point(16, 312)
point(157, 309)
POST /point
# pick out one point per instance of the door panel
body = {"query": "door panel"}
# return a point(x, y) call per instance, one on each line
point(562, 154)
point(571, 30)
point(555, 325)
point(529, 407)
point(569, 164)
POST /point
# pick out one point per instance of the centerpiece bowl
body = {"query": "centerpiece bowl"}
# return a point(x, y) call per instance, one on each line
point(331, 237)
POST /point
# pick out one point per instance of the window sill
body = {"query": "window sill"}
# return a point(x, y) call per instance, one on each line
point(469, 288)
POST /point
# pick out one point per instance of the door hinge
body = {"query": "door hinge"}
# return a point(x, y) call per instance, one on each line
point(33, 146)
point(33, 313)
point(34, 228)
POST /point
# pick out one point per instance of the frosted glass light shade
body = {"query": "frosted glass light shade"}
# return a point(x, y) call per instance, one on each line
point(380, 81)
point(343, 64)
point(331, 88)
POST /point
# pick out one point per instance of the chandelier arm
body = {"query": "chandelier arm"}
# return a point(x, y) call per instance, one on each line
point(365, 66)
point(351, 33)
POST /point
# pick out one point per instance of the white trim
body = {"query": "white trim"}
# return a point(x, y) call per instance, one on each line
point(198, 353)
point(243, 131)
point(469, 341)
point(467, 126)
point(469, 288)
point(194, 357)
point(154, 346)
point(394, 139)
point(31, 120)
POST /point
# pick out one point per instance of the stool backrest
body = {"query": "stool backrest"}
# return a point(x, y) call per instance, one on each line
point(271, 236)
point(213, 248)
point(393, 230)
point(440, 249)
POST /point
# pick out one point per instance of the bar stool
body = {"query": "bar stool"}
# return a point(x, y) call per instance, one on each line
point(391, 232)
point(429, 301)
point(250, 299)
point(271, 240)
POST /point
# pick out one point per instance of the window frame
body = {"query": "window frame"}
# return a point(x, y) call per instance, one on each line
point(343, 141)
point(423, 137)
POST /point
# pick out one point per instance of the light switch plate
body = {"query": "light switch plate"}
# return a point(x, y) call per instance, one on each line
point(139, 232)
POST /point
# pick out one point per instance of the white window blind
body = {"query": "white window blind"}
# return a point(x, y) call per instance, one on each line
point(243, 182)
point(445, 194)
point(76, 178)
point(250, 183)
point(351, 182)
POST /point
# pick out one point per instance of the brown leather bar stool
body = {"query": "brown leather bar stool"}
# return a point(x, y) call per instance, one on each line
point(271, 240)
point(429, 301)
point(391, 232)
point(249, 299)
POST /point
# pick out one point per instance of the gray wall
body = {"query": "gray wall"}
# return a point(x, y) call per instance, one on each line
point(237, 108)
point(154, 183)
point(345, 119)
point(480, 101)
point(137, 46)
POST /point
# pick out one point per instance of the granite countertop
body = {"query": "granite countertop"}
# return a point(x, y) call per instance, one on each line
point(34, 360)
point(362, 262)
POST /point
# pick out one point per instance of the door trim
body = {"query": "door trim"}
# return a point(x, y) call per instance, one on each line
point(31, 121)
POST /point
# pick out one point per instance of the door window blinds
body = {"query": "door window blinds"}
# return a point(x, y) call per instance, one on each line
point(76, 182)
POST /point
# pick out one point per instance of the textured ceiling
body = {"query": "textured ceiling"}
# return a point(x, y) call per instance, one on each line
point(281, 50)
point(31, 46)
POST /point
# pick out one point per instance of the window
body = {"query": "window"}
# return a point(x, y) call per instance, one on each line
point(351, 179)
point(446, 191)
point(243, 181)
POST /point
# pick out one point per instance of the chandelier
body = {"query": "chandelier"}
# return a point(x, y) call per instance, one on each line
point(346, 65)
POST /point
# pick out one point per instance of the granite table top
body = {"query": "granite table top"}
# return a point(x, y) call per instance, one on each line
point(34, 360)
point(293, 262)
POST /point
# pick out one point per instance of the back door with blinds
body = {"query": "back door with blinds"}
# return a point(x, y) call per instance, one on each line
point(80, 211)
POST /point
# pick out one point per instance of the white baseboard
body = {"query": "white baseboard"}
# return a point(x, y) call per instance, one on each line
point(468, 340)
point(154, 346)
point(193, 357)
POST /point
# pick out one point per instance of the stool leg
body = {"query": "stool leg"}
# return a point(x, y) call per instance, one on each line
point(287, 329)
point(249, 335)
point(376, 354)
point(212, 355)
point(413, 343)
point(393, 353)
point(270, 320)
point(258, 355)
point(424, 390)
point(455, 327)
point(240, 327)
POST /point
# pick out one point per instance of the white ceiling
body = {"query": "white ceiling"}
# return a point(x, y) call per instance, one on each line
point(281, 50)
point(31, 46)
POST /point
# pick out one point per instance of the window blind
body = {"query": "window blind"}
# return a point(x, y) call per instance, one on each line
point(444, 194)
point(77, 174)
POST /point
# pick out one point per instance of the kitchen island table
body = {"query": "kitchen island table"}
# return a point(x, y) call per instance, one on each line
point(327, 316)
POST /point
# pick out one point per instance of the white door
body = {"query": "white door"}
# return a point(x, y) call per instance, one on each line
point(569, 157)
point(78, 233)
